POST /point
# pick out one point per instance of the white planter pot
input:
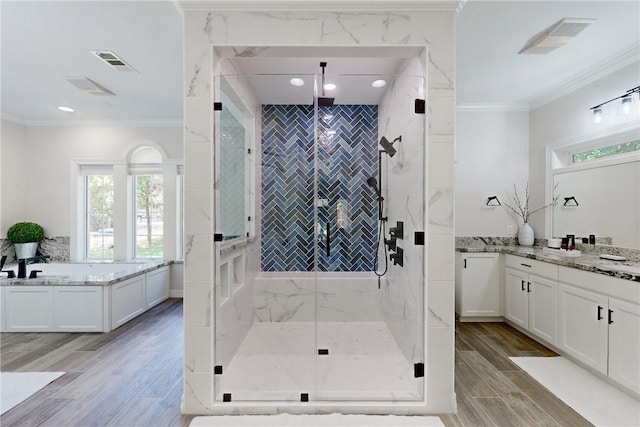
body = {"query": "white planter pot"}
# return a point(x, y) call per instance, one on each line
point(525, 235)
point(25, 250)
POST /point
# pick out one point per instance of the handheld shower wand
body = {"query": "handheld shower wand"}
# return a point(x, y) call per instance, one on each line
point(373, 183)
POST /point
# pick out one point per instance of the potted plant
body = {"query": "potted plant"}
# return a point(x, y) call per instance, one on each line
point(25, 237)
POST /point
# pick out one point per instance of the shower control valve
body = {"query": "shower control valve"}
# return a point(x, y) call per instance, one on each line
point(398, 257)
point(398, 230)
point(391, 243)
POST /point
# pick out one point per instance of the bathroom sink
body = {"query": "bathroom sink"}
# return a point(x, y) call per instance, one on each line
point(631, 269)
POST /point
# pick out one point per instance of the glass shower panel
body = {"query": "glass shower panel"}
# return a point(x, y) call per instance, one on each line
point(370, 330)
point(272, 358)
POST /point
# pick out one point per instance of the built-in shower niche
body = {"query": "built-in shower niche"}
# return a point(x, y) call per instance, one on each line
point(231, 277)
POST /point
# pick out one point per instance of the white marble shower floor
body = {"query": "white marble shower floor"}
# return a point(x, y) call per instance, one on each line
point(280, 361)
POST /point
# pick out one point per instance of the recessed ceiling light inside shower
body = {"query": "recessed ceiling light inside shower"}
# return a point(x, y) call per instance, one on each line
point(296, 81)
point(378, 83)
point(329, 86)
point(65, 109)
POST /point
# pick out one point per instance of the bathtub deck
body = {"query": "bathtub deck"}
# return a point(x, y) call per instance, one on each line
point(280, 361)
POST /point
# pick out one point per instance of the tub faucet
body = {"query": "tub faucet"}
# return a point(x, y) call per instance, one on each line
point(22, 264)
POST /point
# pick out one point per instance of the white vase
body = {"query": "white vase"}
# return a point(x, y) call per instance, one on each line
point(25, 250)
point(525, 235)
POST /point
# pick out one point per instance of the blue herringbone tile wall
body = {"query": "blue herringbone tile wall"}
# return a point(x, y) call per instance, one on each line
point(347, 156)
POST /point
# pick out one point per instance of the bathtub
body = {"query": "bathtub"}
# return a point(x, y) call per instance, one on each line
point(96, 271)
point(81, 297)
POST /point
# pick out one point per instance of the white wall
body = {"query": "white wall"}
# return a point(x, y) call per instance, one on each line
point(492, 154)
point(13, 176)
point(568, 118)
point(50, 150)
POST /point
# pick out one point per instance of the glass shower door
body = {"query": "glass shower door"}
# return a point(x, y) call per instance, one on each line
point(370, 330)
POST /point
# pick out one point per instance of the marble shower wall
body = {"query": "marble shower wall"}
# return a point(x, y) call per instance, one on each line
point(403, 188)
point(204, 28)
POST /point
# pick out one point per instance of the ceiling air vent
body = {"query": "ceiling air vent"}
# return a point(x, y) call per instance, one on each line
point(89, 86)
point(113, 60)
point(556, 35)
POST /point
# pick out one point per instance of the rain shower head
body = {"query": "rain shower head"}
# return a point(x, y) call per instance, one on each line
point(324, 101)
point(387, 146)
point(373, 183)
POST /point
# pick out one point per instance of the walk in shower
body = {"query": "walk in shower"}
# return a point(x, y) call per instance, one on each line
point(300, 315)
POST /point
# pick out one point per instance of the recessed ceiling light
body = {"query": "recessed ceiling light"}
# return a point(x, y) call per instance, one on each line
point(329, 86)
point(296, 81)
point(378, 83)
point(65, 109)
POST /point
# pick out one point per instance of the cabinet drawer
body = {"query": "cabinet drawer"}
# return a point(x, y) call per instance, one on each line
point(532, 266)
point(623, 289)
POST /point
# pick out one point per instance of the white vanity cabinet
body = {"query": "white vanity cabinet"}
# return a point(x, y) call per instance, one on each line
point(531, 296)
point(478, 287)
point(599, 324)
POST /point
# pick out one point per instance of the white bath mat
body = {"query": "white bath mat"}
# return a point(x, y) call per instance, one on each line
point(337, 420)
point(594, 399)
point(17, 386)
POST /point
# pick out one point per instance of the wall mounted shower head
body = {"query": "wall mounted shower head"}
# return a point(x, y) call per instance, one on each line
point(387, 146)
point(373, 183)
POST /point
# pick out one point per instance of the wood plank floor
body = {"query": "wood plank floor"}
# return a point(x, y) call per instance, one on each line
point(133, 376)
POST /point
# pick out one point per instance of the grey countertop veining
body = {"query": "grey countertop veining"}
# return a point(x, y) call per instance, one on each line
point(587, 262)
point(106, 279)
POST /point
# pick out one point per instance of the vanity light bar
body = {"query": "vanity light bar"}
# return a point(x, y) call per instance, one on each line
point(626, 103)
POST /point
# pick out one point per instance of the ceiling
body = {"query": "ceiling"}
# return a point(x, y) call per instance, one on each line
point(43, 42)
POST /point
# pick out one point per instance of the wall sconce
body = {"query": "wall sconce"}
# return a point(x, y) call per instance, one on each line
point(626, 100)
point(570, 201)
point(493, 201)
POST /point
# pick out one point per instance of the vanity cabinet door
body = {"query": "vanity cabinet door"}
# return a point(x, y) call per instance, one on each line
point(478, 292)
point(516, 304)
point(624, 343)
point(543, 306)
point(583, 326)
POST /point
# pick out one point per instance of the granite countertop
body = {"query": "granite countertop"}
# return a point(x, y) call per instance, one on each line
point(136, 268)
point(588, 262)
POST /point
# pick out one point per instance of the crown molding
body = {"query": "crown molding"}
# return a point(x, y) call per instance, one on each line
point(489, 107)
point(103, 123)
point(611, 65)
point(321, 6)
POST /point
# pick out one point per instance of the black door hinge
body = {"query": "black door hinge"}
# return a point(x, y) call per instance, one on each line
point(420, 106)
point(217, 106)
point(418, 370)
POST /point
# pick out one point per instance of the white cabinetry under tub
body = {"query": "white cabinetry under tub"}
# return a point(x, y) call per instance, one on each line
point(478, 287)
point(599, 324)
point(78, 308)
point(28, 308)
point(53, 308)
point(531, 296)
point(158, 284)
point(127, 300)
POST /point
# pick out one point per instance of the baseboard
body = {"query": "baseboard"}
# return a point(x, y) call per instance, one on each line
point(176, 293)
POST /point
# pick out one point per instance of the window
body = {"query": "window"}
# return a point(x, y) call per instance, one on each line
point(611, 150)
point(99, 216)
point(128, 208)
point(149, 214)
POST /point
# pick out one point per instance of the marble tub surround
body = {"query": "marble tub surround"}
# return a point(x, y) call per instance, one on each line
point(57, 248)
point(59, 274)
point(587, 262)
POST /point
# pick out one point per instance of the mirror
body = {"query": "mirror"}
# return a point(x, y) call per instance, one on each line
point(608, 201)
